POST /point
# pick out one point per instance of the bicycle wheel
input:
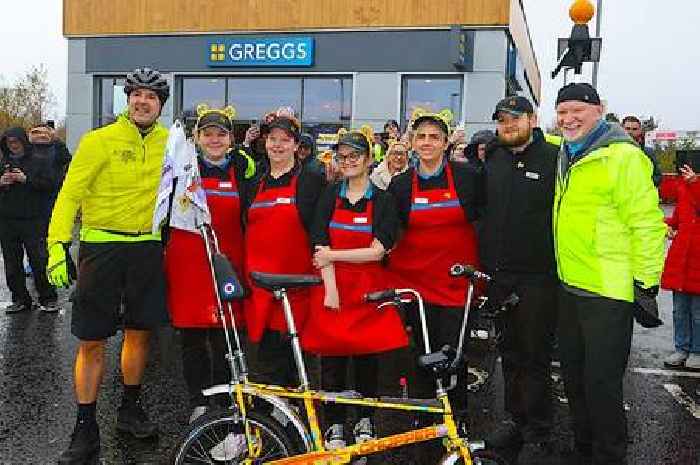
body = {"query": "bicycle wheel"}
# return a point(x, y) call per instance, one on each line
point(479, 457)
point(217, 438)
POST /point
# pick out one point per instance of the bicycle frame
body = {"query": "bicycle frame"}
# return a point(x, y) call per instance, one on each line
point(241, 389)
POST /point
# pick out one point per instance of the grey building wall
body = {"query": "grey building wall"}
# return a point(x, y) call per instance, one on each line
point(79, 103)
point(377, 70)
point(486, 84)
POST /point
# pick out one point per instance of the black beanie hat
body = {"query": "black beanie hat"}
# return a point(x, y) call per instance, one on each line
point(580, 92)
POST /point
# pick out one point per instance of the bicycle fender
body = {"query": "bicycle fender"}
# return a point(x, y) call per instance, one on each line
point(277, 403)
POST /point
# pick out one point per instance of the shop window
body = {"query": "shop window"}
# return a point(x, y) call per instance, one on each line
point(253, 97)
point(196, 91)
point(112, 100)
point(327, 99)
point(433, 93)
point(323, 104)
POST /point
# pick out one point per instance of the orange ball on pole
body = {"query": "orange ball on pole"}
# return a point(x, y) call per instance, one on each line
point(582, 11)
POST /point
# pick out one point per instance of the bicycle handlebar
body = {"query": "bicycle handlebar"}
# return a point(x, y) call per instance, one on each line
point(379, 296)
point(458, 270)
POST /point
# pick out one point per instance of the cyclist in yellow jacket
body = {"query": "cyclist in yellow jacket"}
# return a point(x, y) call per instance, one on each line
point(113, 179)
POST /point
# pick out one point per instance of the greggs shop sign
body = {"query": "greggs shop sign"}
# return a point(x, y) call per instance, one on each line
point(273, 51)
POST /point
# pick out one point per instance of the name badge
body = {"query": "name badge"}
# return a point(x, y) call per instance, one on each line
point(421, 200)
point(284, 201)
point(225, 185)
point(360, 220)
point(531, 175)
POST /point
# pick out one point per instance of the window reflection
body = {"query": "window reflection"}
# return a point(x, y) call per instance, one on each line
point(253, 97)
point(196, 91)
point(327, 99)
point(112, 100)
point(432, 93)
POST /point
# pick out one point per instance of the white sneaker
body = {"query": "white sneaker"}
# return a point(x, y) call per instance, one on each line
point(363, 430)
point(693, 362)
point(197, 412)
point(232, 447)
point(676, 359)
point(335, 437)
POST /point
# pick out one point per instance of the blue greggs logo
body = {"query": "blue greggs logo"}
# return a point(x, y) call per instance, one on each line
point(274, 51)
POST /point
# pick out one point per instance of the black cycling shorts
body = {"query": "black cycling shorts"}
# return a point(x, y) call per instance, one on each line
point(120, 285)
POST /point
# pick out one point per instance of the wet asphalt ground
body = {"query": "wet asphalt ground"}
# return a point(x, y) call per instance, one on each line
point(37, 410)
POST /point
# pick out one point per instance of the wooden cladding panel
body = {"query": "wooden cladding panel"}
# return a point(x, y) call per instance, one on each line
point(114, 17)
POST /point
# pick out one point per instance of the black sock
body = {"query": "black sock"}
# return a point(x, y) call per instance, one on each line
point(86, 413)
point(131, 394)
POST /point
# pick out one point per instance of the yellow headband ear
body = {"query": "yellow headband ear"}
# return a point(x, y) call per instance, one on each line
point(446, 116)
point(202, 108)
point(230, 112)
point(367, 131)
point(418, 112)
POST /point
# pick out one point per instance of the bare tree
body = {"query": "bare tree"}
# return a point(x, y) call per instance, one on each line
point(28, 101)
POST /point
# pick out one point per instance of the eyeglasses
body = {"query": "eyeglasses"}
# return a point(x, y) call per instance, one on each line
point(352, 157)
point(398, 153)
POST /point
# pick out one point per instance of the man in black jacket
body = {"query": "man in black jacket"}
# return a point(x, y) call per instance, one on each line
point(46, 145)
point(25, 183)
point(516, 246)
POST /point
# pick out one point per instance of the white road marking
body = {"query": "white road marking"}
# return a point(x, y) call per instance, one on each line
point(662, 372)
point(683, 399)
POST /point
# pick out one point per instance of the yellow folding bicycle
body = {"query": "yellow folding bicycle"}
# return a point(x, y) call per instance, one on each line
point(262, 427)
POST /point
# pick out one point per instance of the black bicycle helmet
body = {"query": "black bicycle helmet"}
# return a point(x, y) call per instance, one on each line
point(147, 78)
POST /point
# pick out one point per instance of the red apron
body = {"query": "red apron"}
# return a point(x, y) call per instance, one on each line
point(357, 327)
point(438, 236)
point(276, 242)
point(191, 298)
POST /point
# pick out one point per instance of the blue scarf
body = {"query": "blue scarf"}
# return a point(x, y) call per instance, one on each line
point(575, 149)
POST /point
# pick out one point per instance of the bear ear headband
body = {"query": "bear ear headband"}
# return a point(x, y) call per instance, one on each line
point(203, 109)
point(444, 115)
point(366, 131)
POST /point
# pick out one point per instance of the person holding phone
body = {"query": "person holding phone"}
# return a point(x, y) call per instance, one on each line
point(682, 272)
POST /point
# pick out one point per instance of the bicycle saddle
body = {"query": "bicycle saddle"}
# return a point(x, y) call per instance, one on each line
point(276, 282)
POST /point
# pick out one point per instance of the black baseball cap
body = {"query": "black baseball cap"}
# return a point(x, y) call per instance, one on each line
point(288, 124)
point(215, 118)
point(580, 92)
point(356, 140)
point(515, 105)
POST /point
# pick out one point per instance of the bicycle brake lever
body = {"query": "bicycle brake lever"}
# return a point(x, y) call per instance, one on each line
point(384, 304)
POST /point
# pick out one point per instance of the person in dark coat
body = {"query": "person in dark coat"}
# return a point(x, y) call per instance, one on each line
point(25, 183)
point(475, 151)
point(46, 145)
point(516, 246)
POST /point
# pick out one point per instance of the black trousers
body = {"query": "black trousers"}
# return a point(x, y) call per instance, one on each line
point(273, 361)
point(16, 236)
point(334, 378)
point(444, 325)
point(595, 334)
point(203, 361)
point(527, 332)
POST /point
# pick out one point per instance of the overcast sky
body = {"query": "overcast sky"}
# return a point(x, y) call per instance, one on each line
point(650, 63)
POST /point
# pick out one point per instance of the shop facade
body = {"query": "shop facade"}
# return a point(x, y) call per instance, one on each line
point(332, 78)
